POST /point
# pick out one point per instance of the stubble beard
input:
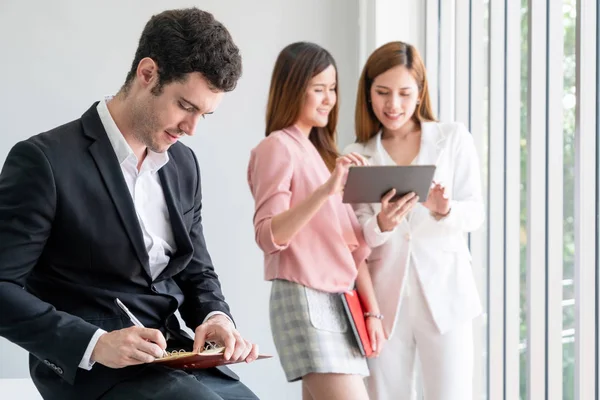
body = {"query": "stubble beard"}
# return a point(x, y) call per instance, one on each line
point(146, 127)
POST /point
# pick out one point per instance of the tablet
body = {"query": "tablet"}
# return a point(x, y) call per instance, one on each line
point(368, 184)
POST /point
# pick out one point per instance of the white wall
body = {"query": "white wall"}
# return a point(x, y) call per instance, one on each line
point(400, 20)
point(58, 57)
point(383, 21)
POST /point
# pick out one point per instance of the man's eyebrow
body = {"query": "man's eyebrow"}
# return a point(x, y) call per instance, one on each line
point(190, 103)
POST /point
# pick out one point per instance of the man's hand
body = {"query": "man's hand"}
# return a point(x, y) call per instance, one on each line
point(220, 329)
point(129, 346)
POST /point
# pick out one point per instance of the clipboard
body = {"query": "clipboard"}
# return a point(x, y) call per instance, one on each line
point(368, 184)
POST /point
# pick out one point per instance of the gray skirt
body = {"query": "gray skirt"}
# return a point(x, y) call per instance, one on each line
point(312, 333)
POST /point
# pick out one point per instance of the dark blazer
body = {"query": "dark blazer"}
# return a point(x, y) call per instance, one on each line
point(70, 243)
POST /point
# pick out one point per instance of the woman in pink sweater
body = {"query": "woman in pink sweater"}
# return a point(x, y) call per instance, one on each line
point(313, 245)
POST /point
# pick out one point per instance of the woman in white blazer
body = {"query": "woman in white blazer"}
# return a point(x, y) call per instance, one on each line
point(420, 263)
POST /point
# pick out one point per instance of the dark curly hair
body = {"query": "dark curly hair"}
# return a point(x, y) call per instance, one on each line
point(185, 41)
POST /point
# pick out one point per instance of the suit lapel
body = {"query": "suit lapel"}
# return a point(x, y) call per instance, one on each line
point(104, 156)
point(433, 142)
point(169, 177)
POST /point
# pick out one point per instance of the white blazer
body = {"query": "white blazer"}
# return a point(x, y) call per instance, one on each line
point(437, 249)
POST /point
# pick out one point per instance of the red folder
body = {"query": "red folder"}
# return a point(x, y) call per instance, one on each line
point(356, 315)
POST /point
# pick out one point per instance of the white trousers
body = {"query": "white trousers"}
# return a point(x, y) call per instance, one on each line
point(446, 360)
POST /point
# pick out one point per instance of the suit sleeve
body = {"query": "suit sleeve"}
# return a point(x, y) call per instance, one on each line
point(199, 281)
point(27, 206)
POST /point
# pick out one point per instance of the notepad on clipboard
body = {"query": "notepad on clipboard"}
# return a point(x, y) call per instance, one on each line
point(356, 316)
point(211, 356)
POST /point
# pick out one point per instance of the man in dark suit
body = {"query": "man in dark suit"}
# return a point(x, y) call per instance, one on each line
point(108, 207)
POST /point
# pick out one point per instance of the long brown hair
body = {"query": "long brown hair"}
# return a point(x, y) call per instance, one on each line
point(388, 56)
point(296, 65)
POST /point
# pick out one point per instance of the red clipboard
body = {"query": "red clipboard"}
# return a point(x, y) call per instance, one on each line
point(356, 315)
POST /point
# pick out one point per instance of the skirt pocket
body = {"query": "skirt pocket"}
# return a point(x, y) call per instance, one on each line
point(326, 311)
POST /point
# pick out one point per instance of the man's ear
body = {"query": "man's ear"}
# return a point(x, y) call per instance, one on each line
point(147, 72)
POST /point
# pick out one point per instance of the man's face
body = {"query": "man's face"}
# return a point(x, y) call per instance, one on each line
point(159, 120)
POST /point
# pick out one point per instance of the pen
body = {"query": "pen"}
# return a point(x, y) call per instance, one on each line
point(132, 317)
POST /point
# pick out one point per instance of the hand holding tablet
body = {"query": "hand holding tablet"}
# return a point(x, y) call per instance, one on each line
point(392, 212)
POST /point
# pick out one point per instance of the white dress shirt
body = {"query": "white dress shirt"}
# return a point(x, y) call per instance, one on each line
point(150, 206)
point(146, 192)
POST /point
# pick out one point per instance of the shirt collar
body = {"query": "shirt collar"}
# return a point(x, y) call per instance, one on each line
point(122, 149)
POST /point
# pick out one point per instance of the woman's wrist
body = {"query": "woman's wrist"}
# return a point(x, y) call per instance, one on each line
point(322, 192)
point(381, 226)
point(439, 216)
point(373, 315)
